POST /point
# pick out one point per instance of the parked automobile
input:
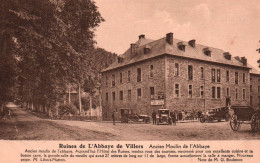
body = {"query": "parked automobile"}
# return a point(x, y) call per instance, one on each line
point(163, 117)
point(215, 114)
point(128, 114)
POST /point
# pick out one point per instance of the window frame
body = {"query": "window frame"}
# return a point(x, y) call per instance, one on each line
point(190, 72)
point(218, 93)
point(121, 77)
point(113, 96)
point(139, 75)
point(151, 68)
point(243, 93)
point(227, 76)
point(244, 78)
point(236, 93)
point(113, 81)
point(129, 94)
point(152, 90)
point(236, 78)
point(190, 90)
point(128, 75)
point(228, 91)
point(139, 96)
point(213, 93)
point(218, 76)
point(106, 96)
point(202, 92)
point(213, 75)
point(176, 69)
point(121, 95)
point(177, 89)
point(202, 72)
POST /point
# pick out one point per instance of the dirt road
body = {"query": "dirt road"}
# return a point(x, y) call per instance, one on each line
point(25, 126)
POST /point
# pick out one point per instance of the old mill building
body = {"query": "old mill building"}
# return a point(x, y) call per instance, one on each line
point(174, 74)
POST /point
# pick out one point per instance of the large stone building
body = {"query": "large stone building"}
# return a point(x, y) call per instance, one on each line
point(254, 88)
point(174, 74)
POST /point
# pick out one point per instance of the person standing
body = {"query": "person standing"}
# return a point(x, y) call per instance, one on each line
point(154, 117)
point(173, 117)
point(113, 117)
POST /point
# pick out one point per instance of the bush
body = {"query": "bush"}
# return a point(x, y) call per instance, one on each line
point(66, 109)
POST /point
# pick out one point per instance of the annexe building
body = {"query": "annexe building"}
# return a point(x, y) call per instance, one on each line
point(254, 88)
point(174, 74)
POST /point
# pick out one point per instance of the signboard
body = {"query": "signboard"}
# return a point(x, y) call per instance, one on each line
point(160, 95)
point(157, 102)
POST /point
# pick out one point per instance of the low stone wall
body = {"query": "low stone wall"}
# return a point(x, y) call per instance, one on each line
point(79, 118)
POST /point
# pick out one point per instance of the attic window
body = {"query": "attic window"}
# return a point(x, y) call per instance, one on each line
point(207, 51)
point(120, 59)
point(192, 43)
point(147, 49)
point(227, 55)
point(181, 46)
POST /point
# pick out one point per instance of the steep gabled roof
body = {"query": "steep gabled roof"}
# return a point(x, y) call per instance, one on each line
point(161, 47)
point(254, 70)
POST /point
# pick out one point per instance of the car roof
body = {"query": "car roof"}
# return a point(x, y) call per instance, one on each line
point(126, 109)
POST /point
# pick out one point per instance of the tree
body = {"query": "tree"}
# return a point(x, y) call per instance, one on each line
point(99, 60)
point(49, 40)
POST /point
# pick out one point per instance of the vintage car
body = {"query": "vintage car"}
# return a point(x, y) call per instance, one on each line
point(163, 117)
point(128, 114)
point(215, 114)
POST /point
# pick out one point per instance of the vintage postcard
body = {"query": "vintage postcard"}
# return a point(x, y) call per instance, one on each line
point(129, 81)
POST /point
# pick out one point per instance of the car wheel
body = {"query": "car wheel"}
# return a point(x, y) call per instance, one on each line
point(210, 119)
point(202, 119)
point(147, 120)
point(135, 118)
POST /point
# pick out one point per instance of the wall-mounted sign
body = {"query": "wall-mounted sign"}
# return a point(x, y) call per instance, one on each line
point(160, 95)
point(157, 102)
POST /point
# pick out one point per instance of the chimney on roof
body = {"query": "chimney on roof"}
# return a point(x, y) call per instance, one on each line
point(133, 48)
point(141, 36)
point(192, 43)
point(169, 38)
point(244, 61)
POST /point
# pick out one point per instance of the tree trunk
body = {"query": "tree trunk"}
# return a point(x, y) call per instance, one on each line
point(80, 107)
point(69, 96)
point(90, 104)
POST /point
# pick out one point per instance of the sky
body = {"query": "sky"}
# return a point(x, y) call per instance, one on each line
point(231, 25)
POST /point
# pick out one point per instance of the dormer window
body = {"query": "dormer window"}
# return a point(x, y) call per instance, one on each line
point(192, 43)
point(120, 59)
point(147, 49)
point(181, 46)
point(227, 55)
point(207, 51)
